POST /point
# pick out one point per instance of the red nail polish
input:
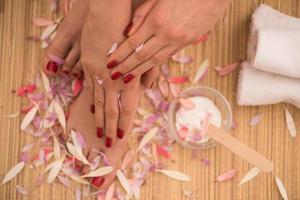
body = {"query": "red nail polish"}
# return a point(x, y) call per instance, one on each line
point(52, 66)
point(112, 64)
point(100, 132)
point(98, 181)
point(75, 75)
point(92, 108)
point(128, 29)
point(120, 133)
point(66, 72)
point(108, 142)
point(128, 78)
point(116, 75)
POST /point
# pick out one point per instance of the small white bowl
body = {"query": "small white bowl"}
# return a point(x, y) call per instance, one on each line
point(216, 97)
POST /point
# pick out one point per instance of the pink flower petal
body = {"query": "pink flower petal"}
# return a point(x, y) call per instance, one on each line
point(182, 59)
point(202, 39)
point(162, 151)
point(223, 71)
point(227, 175)
point(175, 91)
point(77, 86)
point(56, 59)
point(256, 119)
point(186, 103)
point(165, 70)
point(21, 189)
point(178, 79)
point(164, 87)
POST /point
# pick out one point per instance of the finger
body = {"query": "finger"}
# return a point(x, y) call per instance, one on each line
point(151, 47)
point(71, 59)
point(128, 46)
point(111, 116)
point(127, 111)
point(149, 78)
point(98, 109)
point(77, 69)
point(155, 60)
point(139, 16)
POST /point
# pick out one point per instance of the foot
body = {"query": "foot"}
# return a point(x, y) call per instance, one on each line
point(66, 44)
point(82, 119)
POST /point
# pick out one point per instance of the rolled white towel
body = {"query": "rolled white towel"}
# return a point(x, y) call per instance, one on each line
point(274, 42)
point(257, 87)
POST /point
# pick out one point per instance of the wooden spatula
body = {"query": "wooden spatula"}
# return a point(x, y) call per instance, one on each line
point(239, 148)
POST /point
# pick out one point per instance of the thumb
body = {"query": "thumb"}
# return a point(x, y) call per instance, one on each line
point(140, 14)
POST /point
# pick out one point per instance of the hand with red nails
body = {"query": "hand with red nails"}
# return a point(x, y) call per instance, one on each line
point(115, 102)
point(160, 28)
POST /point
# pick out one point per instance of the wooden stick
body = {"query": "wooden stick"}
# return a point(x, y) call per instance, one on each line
point(239, 148)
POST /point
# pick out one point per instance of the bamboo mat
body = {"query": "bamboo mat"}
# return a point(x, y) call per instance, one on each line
point(19, 61)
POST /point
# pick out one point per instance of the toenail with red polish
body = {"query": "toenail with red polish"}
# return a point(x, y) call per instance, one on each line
point(52, 66)
point(92, 108)
point(108, 142)
point(98, 181)
point(75, 75)
point(66, 72)
point(100, 132)
point(112, 64)
point(128, 29)
point(120, 133)
point(116, 75)
point(128, 78)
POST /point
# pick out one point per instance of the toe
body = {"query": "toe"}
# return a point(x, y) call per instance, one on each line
point(77, 69)
point(71, 59)
point(57, 51)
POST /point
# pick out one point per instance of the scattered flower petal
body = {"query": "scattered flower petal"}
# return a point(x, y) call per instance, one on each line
point(110, 192)
point(139, 48)
point(124, 182)
point(256, 119)
point(13, 172)
point(182, 59)
point(113, 48)
point(99, 172)
point(290, 123)
point(281, 188)
point(56, 59)
point(178, 79)
point(147, 137)
point(223, 71)
point(186, 103)
point(249, 176)
point(201, 71)
point(48, 31)
point(128, 158)
point(21, 189)
point(38, 21)
point(227, 175)
point(55, 170)
point(175, 175)
point(29, 117)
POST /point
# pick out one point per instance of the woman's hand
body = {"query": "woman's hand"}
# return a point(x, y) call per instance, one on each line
point(114, 103)
point(160, 28)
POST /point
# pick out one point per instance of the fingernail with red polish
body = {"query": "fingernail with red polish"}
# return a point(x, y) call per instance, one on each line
point(120, 133)
point(116, 75)
point(112, 64)
point(108, 142)
point(75, 75)
point(66, 72)
point(100, 132)
point(98, 181)
point(92, 108)
point(128, 29)
point(52, 66)
point(128, 78)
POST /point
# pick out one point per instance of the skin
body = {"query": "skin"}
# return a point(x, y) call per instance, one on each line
point(163, 33)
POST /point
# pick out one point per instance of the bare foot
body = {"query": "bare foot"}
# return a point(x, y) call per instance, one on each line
point(82, 119)
point(66, 44)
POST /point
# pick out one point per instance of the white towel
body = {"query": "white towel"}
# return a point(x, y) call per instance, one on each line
point(274, 42)
point(257, 87)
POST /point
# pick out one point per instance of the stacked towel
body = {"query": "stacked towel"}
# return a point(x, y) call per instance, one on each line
point(274, 50)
